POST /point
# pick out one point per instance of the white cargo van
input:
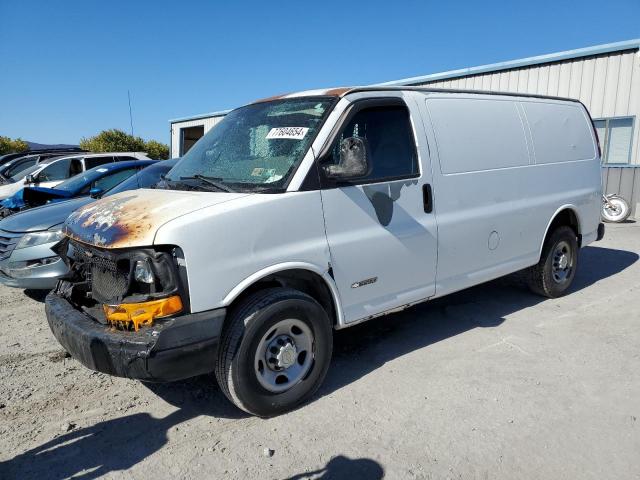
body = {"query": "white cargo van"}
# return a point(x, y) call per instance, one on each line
point(319, 210)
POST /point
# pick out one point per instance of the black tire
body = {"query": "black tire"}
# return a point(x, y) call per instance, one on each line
point(542, 278)
point(244, 331)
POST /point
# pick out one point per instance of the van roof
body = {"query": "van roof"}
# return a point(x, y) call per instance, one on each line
point(342, 91)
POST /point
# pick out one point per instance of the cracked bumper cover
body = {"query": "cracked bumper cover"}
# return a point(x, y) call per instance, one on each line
point(172, 349)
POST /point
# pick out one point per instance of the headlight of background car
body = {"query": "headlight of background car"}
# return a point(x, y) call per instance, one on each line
point(54, 234)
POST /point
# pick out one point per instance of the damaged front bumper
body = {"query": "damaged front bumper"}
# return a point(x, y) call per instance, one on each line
point(172, 349)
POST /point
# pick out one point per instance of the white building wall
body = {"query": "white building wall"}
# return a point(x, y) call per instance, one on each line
point(207, 122)
point(608, 84)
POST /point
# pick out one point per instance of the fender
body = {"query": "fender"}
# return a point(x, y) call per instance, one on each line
point(280, 267)
point(568, 206)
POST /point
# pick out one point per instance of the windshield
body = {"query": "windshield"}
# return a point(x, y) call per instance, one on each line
point(80, 181)
point(256, 147)
point(20, 175)
point(146, 178)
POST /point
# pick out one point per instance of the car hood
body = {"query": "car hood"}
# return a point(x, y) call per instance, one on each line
point(42, 218)
point(131, 219)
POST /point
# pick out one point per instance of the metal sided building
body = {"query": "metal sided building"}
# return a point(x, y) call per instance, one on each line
point(187, 131)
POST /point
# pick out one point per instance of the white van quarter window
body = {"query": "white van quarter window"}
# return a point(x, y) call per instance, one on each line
point(546, 119)
point(475, 134)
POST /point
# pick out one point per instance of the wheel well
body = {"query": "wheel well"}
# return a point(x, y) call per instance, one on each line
point(566, 217)
point(299, 279)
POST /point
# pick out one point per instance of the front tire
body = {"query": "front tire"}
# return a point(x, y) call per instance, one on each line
point(552, 276)
point(274, 352)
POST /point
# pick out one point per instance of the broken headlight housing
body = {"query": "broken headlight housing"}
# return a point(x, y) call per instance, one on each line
point(127, 288)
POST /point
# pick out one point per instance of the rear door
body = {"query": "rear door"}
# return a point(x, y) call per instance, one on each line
point(381, 240)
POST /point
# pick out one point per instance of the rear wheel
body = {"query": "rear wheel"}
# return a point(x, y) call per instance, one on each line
point(553, 274)
point(274, 352)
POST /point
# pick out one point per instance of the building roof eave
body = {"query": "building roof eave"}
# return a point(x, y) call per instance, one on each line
point(523, 62)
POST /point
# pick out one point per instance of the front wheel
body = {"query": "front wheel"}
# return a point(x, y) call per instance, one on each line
point(553, 274)
point(615, 209)
point(274, 352)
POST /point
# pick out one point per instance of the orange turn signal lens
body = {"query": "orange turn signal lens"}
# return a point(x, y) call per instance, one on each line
point(132, 316)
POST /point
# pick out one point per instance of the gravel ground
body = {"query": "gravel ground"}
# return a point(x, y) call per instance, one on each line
point(492, 382)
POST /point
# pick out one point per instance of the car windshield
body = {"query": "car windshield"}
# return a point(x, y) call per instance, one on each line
point(254, 148)
point(20, 175)
point(143, 179)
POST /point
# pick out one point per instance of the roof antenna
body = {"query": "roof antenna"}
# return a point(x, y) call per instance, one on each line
point(130, 116)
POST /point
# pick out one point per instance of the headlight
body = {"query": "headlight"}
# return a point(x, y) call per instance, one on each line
point(40, 238)
point(142, 272)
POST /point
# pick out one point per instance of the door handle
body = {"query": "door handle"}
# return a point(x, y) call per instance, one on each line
point(427, 198)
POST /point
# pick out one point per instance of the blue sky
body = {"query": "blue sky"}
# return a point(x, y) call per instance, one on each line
point(67, 65)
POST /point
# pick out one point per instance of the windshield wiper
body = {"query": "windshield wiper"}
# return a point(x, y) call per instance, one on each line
point(213, 181)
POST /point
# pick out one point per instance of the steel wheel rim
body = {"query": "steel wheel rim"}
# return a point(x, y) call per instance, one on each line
point(615, 209)
point(284, 355)
point(562, 262)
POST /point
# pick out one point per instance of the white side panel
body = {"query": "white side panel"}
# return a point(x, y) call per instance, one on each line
point(561, 132)
point(492, 222)
point(478, 134)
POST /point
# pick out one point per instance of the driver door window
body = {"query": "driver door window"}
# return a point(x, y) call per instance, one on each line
point(389, 140)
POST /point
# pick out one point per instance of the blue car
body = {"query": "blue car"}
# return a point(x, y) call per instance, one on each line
point(94, 182)
point(26, 259)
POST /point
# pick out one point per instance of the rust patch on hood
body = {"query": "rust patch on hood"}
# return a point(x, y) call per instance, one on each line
point(269, 99)
point(338, 92)
point(131, 219)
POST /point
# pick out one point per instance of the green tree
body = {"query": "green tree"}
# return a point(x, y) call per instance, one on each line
point(115, 140)
point(12, 145)
point(156, 150)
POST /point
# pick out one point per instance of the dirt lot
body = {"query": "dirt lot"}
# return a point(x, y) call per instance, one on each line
point(491, 382)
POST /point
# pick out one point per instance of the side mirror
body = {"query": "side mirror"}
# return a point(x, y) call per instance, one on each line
point(29, 179)
point(354, 162)
point(95, 192)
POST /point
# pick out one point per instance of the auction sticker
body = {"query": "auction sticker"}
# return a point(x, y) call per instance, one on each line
point(294, 133)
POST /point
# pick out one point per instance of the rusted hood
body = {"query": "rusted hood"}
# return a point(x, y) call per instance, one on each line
point(131, 219)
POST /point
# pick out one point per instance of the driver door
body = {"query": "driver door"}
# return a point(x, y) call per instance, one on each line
point(382, 243)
